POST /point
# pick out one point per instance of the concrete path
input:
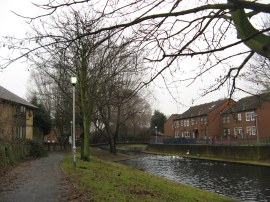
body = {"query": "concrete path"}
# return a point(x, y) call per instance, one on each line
point(36, 180)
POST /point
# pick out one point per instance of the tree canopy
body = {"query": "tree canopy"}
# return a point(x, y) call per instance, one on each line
point(158, 120)
point(41, 119)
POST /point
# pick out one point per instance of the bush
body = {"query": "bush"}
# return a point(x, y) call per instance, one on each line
point(37, 149)
point(10, 153)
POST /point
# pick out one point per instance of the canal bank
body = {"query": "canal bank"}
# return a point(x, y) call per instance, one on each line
point(254, 155)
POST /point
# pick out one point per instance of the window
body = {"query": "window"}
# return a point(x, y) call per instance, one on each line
point(224, 119)
point(226, 131)
point(252, 116)
point(228, 119)
point(240, 131)
point(235, 131)
point(177, 135)
point(22, 109)
point(187, 134)
point(239, 117)
point(248, 130)
point(181, 122)
point(253, 130)
point(192, 121)
point(186, 122)
point(182, 134)
point(201, 120)
point(247, 116)
point(177, 124)
point(205, 120)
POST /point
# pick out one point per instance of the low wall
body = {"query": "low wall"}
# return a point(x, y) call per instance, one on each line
point(212, 151)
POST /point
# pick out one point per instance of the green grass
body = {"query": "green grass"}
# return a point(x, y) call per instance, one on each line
point(104, 180)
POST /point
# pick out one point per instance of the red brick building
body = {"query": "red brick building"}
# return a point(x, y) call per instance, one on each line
point(169, 127)
point(249, 118)
point(202, 121)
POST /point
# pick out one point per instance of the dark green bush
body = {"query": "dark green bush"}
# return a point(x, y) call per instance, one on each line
point(37, 149)
point(10, 153)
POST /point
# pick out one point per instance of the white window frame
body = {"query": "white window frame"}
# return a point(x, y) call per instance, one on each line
point(187, 134)
point(235, 131)
point(248, 130)
point(253, 130)
point(239, 117)
point(174, 125)
point(240, 131)
point(187, 122)
point(181, 122)
point(252, 116)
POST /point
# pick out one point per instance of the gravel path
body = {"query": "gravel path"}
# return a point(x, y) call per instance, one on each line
point(36, 180)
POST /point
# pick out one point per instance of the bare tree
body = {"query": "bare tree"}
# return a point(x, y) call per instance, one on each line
point(55, 99)
point(97, 65)
point(171, 32)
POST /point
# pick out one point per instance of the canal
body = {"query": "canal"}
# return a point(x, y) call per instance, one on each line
point(242, 182)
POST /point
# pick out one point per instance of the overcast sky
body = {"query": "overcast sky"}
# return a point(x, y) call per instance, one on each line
point(16, 76)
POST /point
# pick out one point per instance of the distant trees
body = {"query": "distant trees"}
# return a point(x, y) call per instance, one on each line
point(158, 120)
point(42, 119)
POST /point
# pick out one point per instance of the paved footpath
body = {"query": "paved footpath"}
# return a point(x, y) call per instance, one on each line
point(37, 180)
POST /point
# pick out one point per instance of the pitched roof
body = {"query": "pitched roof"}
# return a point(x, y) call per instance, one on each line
point(7, 95)
point(249, 103)
point(201, 110)
point(173, 116)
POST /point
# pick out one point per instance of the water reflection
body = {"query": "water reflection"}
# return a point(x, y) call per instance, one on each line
point(243, 182)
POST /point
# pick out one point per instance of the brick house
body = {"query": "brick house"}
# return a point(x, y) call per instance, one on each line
point(16, 117)
point(169, 127)
point(202, 121)
point(248, 118)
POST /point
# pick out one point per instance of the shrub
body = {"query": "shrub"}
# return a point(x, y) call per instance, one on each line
point(37, 149)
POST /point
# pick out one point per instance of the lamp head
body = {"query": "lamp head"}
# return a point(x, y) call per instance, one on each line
point(73, 80)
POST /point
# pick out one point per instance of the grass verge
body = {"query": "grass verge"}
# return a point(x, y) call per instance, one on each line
point(103, 180)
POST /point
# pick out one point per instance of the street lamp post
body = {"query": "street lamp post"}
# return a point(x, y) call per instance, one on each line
point(156, 133)
point(71, 135)
point(73, 82)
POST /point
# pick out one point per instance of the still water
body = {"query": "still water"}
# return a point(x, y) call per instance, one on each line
point(242, 182)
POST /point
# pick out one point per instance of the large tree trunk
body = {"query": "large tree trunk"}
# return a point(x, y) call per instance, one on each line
point(85, 150)
point(112, 143)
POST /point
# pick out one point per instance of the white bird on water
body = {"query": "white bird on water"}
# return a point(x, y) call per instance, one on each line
point(188, 152)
